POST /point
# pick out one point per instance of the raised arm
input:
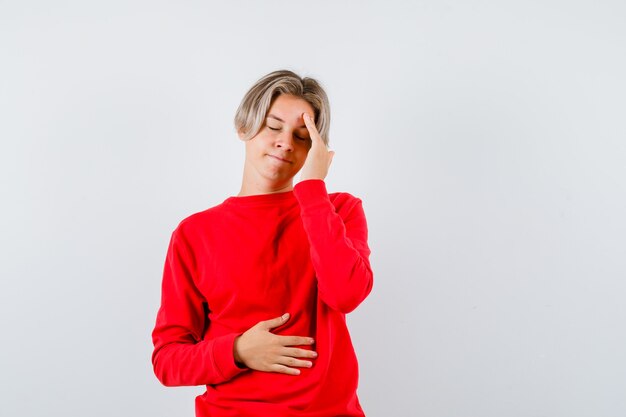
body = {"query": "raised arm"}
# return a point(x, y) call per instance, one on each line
point(338, 241)
point(337, 236)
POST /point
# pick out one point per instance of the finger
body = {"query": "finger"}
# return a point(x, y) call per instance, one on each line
point(294, 363)
point(295, 340)
point(282, 369)
point(273, 323)
point(309, 121)
point(299, 353)
point(310, 125)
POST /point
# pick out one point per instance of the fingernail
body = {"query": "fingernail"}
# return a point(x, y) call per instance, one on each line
point(311, 341)
point(285, 316)
point(309, 364)
point(315, 354)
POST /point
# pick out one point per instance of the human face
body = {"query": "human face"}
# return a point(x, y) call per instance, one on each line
point(278, 151)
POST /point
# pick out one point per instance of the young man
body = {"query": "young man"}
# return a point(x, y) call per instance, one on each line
point(256, 289)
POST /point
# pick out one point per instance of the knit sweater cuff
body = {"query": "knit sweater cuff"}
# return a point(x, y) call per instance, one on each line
point(310, 193)
point(224, 357)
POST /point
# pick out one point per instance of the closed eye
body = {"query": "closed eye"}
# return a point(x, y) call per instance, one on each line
point(297, 137)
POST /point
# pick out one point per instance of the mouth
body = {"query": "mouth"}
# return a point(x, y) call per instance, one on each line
point(279, 159)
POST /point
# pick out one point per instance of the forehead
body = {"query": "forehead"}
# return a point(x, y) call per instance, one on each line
point(289, 108)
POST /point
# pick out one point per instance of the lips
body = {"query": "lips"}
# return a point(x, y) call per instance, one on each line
point(280, 159)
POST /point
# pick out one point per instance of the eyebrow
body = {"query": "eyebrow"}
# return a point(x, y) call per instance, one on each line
point(281, 120)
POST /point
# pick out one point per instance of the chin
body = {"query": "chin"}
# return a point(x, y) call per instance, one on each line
point(277, 176)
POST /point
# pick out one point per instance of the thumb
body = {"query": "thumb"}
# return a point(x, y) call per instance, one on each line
point(273, 323)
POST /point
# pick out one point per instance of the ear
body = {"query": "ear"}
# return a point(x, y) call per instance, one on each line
point(241, 135)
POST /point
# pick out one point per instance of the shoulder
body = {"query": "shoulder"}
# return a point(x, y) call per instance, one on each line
point(195, 223)
point(314, 191)
point(347, 205)
point(342, 198)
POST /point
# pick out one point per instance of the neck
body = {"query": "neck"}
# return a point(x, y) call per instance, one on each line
point(254, 190)
point(258, 186)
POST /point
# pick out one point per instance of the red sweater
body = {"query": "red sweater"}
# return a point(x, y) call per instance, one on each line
point(250, 259)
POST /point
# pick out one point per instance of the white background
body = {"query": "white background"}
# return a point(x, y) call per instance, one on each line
point(486, 139)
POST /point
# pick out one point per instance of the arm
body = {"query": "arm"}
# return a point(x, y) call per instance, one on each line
point(180, 355)
point(339, 249)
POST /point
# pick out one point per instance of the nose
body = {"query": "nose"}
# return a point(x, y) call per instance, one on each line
point(285, 141)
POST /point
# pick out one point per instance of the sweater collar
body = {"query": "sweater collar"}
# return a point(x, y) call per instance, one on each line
point(261, 199)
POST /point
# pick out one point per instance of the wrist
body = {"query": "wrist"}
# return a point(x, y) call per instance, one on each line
point(238, 361)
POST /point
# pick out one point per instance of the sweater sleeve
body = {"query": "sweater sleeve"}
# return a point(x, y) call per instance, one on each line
point(339, 250)
point(181, 357)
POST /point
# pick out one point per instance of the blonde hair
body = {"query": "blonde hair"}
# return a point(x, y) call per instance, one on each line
point(252, 111)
